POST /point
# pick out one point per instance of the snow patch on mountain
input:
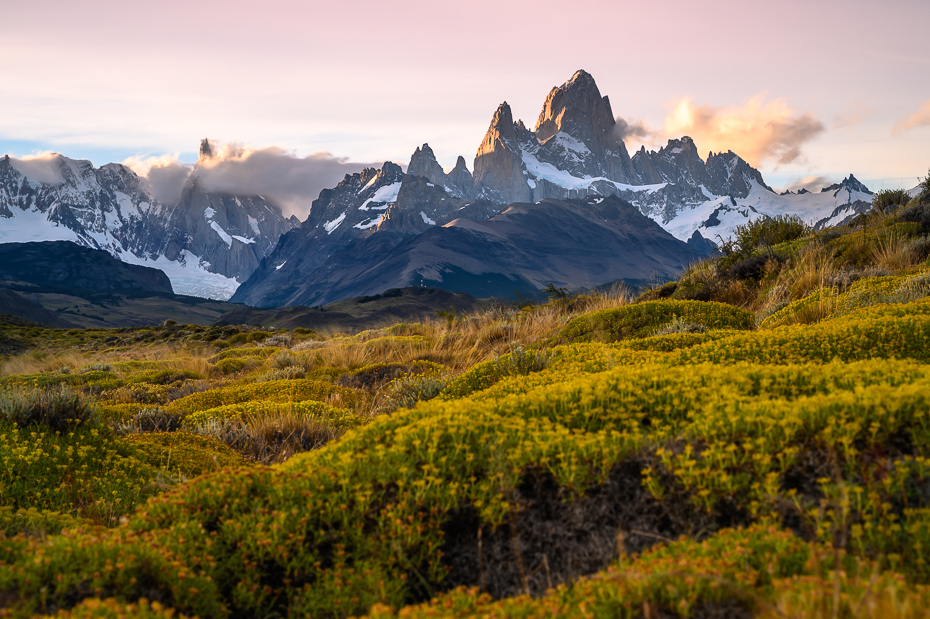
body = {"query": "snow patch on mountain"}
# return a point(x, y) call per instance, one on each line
point(384, 196)
point(330, 226)
point(222, 233)
point(189, 275)
point(717, 218)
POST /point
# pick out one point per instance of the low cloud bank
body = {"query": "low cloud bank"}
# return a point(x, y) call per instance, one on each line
point(289, 182)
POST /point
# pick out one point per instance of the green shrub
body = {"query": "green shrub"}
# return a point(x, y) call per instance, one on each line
point(112, 608)
point(286, 359)
point(257, 351)
point(85, 472)
point(59, 409)
point(37, 522)
point(182, 453)
point(518, 362)
point(406, 391)
point(644, 319)
point(762, 233)
point(886, 200)
point(163, 377)
point(231, 366)
point(280, 391)
point(248, 338)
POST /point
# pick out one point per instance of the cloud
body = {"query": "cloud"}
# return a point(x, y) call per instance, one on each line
point(289, 182)
point(165, 175)
point(625, 130)
point(810, 183)
point(851, 118)
point(758, 131)
point(920, 118)
point(43, 168)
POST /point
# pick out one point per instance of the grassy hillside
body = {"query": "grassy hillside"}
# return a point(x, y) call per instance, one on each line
point(752, 440)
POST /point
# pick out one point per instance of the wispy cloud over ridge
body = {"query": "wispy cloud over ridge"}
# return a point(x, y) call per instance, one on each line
point(759, 132)
point(289, 182)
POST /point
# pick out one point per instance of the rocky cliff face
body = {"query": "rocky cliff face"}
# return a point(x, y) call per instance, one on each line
point(207, 243)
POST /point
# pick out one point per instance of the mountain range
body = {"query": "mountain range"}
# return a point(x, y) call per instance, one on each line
point(207, 243)
point(562, 203)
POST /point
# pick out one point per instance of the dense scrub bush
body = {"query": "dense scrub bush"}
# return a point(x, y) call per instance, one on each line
point(643, 319)
point(409, 389)
point(84, 472)
point(886, 200)
point(249, 338)
point(519, 361)
point(36, 522)
point(148, 419)
point(267, 434)
point(59, 409)
point(375, 375)
point(337, 417)
point(866, 292)
point(257, 352)
point(183, 454)
point(112, 608)
point(271, 391)
point(232, 365)
point(762, 233)
point(351, 523)
point(916, 212)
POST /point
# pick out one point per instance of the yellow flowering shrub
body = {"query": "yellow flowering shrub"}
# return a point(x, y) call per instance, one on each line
point(271, 391)
point(848, 338)
point(85, 473)
point(112, 608)
point(183, 454)
point(863, 293)
point(236, 353)
point(110, 411)
point(31, 521)
point(644, 319)
point(338, 417)
point(729, 574)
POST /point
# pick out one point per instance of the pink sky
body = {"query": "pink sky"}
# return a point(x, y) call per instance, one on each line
point(373, 80)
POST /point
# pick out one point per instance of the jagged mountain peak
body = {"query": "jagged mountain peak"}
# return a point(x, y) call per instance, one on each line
point(460, 166)
point(578, 109)
point(501, 127)
point(423, 163)
point(850, 183)
point(206, 151)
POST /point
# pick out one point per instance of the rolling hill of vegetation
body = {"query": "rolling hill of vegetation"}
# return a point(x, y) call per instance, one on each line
point(751, 440)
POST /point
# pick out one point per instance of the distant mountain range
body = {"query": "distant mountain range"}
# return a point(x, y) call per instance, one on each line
point(207, 243)
point(564, 203)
